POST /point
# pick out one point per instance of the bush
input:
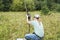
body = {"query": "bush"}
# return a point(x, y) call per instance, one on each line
point(58, 8)
point(20, 5)
point(1, 5)
point(44, 8)
point(16, 5)
point(6, 4)
point(45, 11)
point(30, 4)
point(37, 4)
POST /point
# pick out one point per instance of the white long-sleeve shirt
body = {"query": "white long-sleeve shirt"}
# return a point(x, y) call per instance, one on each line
point(38, 27)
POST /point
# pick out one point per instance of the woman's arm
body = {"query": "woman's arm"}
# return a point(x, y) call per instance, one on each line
point(28, 18)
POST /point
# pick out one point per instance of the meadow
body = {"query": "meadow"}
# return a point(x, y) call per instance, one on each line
point(13, 25)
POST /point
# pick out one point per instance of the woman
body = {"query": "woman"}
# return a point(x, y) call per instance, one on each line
point(38, 28)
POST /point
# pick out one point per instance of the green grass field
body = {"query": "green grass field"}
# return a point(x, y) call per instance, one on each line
point(13, 25)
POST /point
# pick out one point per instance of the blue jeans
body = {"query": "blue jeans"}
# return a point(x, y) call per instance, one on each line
point(32, 37)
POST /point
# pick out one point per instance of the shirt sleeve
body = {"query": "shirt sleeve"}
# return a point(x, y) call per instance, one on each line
point(41, 24)
point(31, 22)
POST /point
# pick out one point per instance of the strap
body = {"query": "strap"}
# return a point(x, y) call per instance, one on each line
point(36, 35)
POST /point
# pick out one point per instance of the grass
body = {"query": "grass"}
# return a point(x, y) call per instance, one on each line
point(13, 25)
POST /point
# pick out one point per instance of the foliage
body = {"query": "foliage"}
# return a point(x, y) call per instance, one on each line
point(30, 4)
point(7, 4)
point(14, 5)
point(44, 7)
point(17, 5)
point(57, 8)
point(45, 11)
point(1, 5)
point(37, 4)
point(20, 5)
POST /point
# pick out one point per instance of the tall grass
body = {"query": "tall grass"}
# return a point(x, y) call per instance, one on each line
point(13, 25)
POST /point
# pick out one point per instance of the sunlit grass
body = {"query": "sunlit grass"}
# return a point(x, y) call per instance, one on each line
point(13, 25)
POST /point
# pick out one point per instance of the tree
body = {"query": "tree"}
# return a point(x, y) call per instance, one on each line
point(20, 5)
point(1, 5)
point(44, 7)
point(37, 4)
point(7, 4)
point(30, 5)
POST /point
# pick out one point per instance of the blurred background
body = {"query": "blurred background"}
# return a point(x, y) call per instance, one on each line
point(13, 18)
